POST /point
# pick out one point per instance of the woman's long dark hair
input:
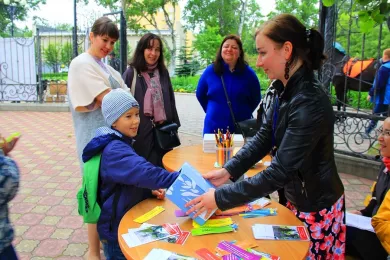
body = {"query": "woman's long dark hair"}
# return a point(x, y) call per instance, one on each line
point(241, 63)
point(138, 60)
point(308, 44)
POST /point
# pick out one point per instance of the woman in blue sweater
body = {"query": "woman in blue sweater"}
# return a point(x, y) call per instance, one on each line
point(241, 82)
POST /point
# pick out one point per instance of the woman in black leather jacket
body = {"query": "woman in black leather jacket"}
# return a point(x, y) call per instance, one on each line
point(300, 133)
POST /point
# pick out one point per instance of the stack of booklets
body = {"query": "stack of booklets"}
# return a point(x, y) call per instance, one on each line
point(189, 185)
point(209, 142)
point(279, 232)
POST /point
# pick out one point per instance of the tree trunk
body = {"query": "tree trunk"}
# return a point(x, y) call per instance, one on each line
point(242, 17)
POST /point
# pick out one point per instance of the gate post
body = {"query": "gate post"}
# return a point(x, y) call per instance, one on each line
point(123, 42)
point(39, 57)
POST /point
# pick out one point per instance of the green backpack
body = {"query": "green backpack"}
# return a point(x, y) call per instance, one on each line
point(88, 206)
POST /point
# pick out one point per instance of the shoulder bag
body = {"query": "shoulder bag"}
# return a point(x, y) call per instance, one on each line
point(166, 135)
point(248, 127)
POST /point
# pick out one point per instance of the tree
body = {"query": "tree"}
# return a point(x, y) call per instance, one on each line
point(18, 12)
point(207, 43)
point(51, 56)
point(147, 10)
point(305, 10)
point(189, 66)
point(66, 54)
point(200, 14)
point(371, 12)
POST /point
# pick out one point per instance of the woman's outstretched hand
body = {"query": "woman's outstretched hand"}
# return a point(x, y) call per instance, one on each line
point(217, 177)
point(205, 202)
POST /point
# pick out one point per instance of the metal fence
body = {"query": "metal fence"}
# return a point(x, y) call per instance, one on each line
point(340, 26)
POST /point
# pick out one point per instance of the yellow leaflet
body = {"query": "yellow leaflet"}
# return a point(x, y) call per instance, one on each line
point(219, 222)
point(148, 215)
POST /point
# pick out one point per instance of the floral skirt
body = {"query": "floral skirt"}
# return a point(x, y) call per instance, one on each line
point(327, 230)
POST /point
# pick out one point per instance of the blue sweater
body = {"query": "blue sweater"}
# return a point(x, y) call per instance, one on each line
point(123, 170)
point(243, 89)
point(382, 85)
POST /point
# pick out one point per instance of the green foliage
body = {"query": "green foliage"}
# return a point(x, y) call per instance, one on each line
point(19, 14)
point(200, 14)
point(355, 46)
point(66, 54)
point(305, 10)
point(207, 43)
point(372, 12)
point(51, 55)
point(185, 84)
point(55, 76)
point(188, 65)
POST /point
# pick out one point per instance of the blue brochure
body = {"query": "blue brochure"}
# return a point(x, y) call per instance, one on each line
point(189, 185)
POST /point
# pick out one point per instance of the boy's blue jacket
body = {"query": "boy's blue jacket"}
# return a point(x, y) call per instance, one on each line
point(382, 85)
point(123, 170)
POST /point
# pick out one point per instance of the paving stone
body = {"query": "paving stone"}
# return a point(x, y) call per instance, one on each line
point(25, 190)
point(50, 201)
point(39, 232)
point(20, 230)
point(51, 248)
point(27, 245)
point(51, 185)
point(354, 181)
point(79, 236)
point(42, 192)
point(22, 207)
point(41, 258)
point(60, 193)
point(14, 216)
point(73, 222)
point(76, 249)
point(62, 233)
point(69, 202)
point(40, 209)
point(73, 258)
point(65, 173)
point(24, 256)
point(50, 220)
point(43, 178)
point(29, 219)
point(32, 199)
point(36, 172)
point(60, 210)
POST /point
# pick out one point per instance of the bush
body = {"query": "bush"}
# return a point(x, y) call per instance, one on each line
point(185, 84)
point(55, 76)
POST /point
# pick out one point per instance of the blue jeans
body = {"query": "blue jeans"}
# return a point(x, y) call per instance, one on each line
point(112, 251)
point(8, 254)
point(379, 109)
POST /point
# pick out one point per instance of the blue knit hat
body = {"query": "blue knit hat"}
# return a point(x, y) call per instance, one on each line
point(115, 104)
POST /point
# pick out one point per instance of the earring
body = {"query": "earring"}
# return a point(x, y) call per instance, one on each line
point(287, 70)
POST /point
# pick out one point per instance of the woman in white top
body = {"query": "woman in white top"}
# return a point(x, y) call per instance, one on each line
point(89, 80)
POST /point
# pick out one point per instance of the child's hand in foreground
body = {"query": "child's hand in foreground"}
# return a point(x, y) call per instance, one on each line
point(160, 193)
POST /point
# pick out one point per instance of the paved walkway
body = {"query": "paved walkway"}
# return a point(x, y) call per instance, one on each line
point(44, 212)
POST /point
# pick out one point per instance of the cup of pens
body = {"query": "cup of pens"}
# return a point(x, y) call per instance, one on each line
point(224, 148)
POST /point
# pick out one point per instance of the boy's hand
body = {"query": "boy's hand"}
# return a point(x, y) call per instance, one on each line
point(8, 146)
point(160, 193)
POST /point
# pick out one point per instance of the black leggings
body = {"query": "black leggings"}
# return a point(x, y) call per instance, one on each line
point(364, 245)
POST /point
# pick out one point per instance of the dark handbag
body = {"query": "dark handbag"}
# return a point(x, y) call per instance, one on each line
point(166, 136)
point(248, 127)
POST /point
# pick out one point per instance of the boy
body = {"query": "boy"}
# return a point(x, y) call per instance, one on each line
point(125, 178)
point(381, 89)
point(9, 183)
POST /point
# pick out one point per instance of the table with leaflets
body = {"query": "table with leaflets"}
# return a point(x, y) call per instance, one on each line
point(203, 162)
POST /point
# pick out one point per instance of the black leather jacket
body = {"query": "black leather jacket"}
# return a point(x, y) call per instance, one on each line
point(304, 162)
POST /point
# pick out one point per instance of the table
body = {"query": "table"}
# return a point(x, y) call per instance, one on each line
point(202, 162)
point(285, 249)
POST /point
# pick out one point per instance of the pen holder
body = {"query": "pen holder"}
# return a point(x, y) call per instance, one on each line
point(223, 155)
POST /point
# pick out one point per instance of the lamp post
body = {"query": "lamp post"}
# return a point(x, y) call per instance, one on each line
point(12, 10)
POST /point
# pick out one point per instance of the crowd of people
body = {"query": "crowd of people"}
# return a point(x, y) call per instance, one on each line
point(115, 115)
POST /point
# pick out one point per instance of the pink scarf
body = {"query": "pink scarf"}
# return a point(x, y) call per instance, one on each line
point(154, 100)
